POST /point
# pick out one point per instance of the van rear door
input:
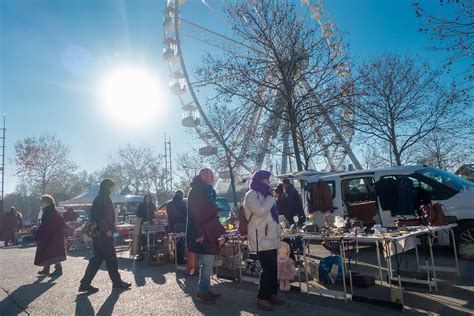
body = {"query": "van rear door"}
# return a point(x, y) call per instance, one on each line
point(359, 198)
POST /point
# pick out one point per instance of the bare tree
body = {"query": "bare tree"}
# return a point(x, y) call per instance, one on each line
point(445, 151)
point(115, 172)
point(26, 200)
point(280, 69)
point(226, 123)
point(70, 184)
point(39, 160)
point(154, 180)
point(188, 166)
point(374, 156)
point(138, 167)
point(453, 33)
point(403, 101)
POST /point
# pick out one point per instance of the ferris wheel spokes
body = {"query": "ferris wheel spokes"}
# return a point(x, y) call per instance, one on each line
point(181, 85)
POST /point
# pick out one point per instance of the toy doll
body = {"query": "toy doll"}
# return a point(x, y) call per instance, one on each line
point(286, 267)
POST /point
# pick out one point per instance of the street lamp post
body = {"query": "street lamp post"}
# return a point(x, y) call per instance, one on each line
point(2, 168)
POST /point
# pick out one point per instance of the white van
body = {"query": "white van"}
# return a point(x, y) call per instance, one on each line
point(361, 190)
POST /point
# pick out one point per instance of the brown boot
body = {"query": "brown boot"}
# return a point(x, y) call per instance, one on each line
point(206, 298)
point(264, 305)
point(275, 300)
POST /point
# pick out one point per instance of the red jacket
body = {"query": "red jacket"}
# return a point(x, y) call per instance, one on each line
point(202, 220)
point(50, 238)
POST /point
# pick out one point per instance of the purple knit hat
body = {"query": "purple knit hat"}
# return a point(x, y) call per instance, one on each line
point(261, 175)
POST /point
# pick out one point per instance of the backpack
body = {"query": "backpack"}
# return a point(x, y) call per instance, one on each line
point(243, 222)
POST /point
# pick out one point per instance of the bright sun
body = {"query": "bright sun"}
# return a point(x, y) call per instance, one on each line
point(131, 96)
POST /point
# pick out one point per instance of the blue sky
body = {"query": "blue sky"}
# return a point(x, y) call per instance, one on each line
point(54, 52)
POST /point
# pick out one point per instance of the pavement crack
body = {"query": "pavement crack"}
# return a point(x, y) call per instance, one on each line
point(14, 300)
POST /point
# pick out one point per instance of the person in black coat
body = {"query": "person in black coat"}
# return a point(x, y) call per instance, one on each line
point(177, 215)
point(146, 211)
point(50, 239)
point(103, 214)
point(203, 231)
point(294, 204)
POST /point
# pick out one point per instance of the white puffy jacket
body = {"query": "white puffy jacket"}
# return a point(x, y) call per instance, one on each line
point(263, 230)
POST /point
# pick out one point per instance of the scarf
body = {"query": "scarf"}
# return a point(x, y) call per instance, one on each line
point(265, 190)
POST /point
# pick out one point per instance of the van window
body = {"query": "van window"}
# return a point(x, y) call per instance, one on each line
point(359, 189)
point(447, 179)
point(438, 190)
point(434, 189)
point(222, 204)
point(361, 199)
point(332, 188)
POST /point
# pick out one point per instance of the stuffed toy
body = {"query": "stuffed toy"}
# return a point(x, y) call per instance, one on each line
point(286, 267)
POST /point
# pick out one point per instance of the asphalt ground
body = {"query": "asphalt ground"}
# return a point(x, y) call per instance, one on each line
point(158, 290)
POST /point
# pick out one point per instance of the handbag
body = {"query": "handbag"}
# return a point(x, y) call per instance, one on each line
point(434, 214)
point(213, 229)
point(91, 229)
point(403, 221)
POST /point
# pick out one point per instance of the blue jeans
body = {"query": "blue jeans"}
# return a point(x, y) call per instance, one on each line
point(206, 262)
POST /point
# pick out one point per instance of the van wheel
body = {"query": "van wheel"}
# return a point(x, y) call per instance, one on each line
point(466, 241)
point(466, 234)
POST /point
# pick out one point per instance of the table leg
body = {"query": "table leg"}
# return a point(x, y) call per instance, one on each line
point(430, 245)
point(389, 264)
point(175, 243)
point(240, 261)
point(379, 261)
point(455, 250)
point(417, 258)
point(306, 264)
point(341, 249)
point(400, 283)
point(350, 273)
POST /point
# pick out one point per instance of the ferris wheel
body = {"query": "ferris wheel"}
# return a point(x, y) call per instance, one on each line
point(261, 129)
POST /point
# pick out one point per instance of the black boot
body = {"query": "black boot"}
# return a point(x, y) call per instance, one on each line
point(45, 271)
point(58, 270)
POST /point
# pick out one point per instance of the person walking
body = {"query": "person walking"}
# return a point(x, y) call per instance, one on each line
point(50, 238)
point(203, 231)
point(264, 236)
point(103, 214)
point(177, 215)
point(10, 225)
point(294, 204)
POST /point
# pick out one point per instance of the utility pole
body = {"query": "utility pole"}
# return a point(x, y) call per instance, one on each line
point(3, 164)
point(168, 165)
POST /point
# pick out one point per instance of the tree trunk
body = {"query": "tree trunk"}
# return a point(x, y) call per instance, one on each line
point(232, 180)
point(397, 155)
point(43, 186)
point(294, 136)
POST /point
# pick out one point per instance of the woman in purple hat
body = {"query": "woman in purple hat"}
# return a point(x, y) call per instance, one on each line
point(264, 236)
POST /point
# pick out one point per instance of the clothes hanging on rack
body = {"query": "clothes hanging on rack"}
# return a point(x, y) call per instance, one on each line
point(321, 197)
